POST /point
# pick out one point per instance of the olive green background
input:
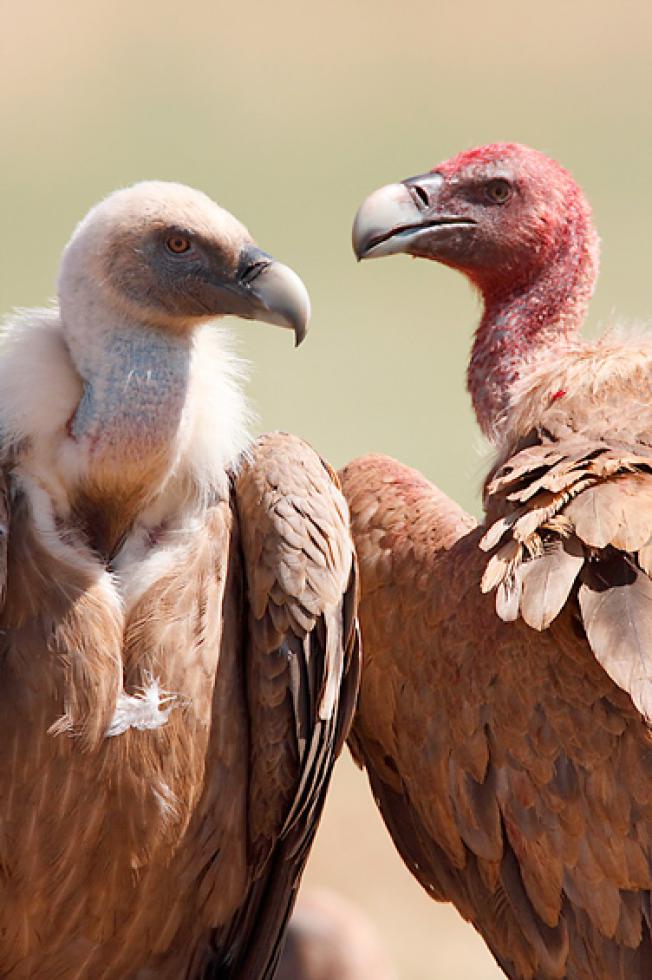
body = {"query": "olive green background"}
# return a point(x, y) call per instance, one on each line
point(288, 113)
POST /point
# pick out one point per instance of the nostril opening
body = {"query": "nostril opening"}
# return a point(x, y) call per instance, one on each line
point(420, 196)
point(252, 272)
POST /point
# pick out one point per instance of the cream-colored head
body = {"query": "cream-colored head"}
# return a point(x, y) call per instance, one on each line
point(126, 391)
point(165, 255)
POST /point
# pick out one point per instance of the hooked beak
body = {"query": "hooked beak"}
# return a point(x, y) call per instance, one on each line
point(400, 217)
point(266, 290)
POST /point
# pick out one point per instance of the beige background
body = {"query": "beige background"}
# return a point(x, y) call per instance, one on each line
point(289, 113)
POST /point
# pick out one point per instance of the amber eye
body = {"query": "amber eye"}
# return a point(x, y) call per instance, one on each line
point(177, 244)
point(498, 191)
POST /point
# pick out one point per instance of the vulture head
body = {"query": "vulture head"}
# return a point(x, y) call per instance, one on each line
point(166, 255)
point(126, 386)
point(519, 227)
point(497, 213)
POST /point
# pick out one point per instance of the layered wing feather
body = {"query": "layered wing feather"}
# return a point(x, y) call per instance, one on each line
point(569, 514)
point(513, 774)
point(302, 675)
point(174, 851)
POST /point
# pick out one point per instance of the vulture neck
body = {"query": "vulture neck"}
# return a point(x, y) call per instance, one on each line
point(528, 319)
point(128, 424)
point(135, 384)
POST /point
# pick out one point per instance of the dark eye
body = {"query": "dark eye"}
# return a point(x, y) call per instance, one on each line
point(498, 191)
point(178, 244)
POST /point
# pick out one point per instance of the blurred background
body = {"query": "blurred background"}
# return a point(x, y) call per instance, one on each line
point(289, 113)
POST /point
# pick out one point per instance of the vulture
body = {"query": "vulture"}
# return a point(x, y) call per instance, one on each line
point(506, 700)
point(329, 938)
point(179, 657)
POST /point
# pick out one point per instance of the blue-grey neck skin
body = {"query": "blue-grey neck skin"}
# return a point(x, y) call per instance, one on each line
point(135, 387)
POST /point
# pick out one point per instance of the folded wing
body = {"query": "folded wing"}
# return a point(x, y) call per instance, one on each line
point(571, 522)
point(302, 674)
point(512, 773)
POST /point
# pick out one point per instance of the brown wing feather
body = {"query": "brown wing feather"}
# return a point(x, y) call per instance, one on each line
point(175, 850)
point(302, 677)
point(512, 773)
point(562, 502)
point(103, 843)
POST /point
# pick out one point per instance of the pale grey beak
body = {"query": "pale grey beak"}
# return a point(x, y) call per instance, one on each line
point(264, 289)
point(402, 217)
point(383, 220)
point(282, 299)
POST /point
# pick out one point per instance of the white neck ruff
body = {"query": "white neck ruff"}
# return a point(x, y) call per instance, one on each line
point(41, 389)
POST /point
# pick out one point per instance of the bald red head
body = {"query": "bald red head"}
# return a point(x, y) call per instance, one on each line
point(517, 224)
point(495, 152)
point(523, 210)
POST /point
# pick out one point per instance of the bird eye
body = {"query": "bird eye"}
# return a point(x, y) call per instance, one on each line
point(498, 191)
point(178, 244)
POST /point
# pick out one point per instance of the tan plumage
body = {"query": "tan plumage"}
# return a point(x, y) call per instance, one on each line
point(506, 698)
point(176, 681)
point(569, 506)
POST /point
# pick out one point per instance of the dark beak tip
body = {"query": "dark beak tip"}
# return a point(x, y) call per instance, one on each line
point(279, 297)
point(359, 250)
point(300, 328)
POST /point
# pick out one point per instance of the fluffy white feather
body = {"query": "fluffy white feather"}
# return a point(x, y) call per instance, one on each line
point(40, 389)
point(216, 400)
point(149, 707)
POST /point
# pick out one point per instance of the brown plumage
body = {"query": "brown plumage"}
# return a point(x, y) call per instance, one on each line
point(329, 938)
point(506, 736)
point(177, 680)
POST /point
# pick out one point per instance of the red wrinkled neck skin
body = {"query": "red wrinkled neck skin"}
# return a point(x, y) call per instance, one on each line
point(532, 315)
